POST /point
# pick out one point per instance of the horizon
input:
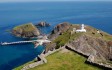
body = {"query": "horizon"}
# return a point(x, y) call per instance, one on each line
point(10, 1)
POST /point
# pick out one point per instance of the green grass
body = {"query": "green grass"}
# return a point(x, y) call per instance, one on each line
point(62, 39)
point(65, 37)
point(25, 27)
point(65, 61)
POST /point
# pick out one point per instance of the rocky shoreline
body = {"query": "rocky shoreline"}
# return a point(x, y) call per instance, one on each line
point(29, 30)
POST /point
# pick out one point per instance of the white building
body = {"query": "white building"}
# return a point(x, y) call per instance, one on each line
point(82, 29)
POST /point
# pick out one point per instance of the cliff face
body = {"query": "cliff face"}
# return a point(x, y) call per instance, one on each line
point(94, 42)
point(58, 30)
point(91, 46)
point(26, 31)
point(110, 50)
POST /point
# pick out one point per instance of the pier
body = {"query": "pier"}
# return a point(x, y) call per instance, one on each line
point(31, 41)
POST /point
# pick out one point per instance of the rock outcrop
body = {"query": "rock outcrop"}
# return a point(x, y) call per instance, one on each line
point(43, 24)
point(59, 29)
point(90, 45)
point(110, 49)
point(25, 31)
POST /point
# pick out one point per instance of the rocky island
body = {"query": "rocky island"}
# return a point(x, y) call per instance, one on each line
point(95, 45)
point(42, 24)
point(26, 31)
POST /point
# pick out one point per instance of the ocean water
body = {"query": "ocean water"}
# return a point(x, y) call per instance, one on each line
point(96, 14)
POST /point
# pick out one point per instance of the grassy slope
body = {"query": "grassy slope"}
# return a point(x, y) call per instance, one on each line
point(65, 61)
point(63, 39)
point(66, 36)
point(25, 27)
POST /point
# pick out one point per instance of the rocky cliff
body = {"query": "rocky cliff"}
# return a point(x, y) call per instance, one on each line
point(25, 31)
point(59, 29)
point(94, 44)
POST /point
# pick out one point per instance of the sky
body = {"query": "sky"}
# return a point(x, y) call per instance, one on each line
point(46, 0)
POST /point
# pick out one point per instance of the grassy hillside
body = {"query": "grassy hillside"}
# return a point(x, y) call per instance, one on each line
point(63, 39)
point(67, 36)
point(64, 60)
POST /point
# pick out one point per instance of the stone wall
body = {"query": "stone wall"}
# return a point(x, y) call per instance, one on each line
point(91, 58)
point(42, 57)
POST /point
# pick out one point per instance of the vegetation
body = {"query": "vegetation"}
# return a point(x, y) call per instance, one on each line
point(25, 27)
point(70, 60)
point(66, 37)
point(62, 39)
point(65, 61)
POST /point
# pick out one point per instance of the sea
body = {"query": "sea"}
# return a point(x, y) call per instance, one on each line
point(96, 14)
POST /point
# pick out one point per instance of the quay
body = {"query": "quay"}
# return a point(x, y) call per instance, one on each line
point(31, 41)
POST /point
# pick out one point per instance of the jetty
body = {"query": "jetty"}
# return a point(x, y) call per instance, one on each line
point(31, 41)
